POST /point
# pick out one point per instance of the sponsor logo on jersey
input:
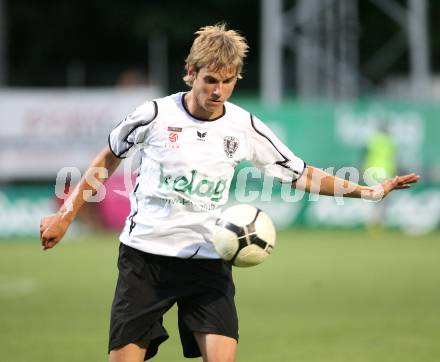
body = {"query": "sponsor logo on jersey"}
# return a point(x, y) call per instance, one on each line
point(230, 145)
point(201, 135)
point(174, 129)
point(173, 137)
point(199, 206)
point(194, 185)
point(172, 143)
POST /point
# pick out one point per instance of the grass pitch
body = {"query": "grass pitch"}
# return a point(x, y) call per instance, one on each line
point(323, 296)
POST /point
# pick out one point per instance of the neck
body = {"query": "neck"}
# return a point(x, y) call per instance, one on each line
point(196, 110)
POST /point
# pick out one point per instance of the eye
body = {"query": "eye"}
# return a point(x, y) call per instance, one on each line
point(229, 80)
point(211, 80)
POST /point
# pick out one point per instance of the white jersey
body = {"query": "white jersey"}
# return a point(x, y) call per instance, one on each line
point(186, 171)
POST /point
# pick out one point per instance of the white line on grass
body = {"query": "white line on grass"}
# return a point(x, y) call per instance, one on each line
point(11, 286)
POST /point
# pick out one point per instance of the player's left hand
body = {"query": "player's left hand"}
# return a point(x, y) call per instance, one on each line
point(382, 190)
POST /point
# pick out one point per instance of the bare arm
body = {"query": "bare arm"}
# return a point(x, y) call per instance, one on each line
point(53, 227)
point(320, 182)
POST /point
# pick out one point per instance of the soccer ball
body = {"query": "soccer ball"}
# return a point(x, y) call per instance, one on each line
point(244, 235)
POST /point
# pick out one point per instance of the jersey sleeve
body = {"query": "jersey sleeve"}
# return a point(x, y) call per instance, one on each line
point(271, 155)
point(132, 130)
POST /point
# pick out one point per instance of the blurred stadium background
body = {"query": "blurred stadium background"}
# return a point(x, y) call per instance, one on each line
point(324, 74)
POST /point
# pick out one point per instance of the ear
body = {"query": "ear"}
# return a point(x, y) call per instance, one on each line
point(192, 72)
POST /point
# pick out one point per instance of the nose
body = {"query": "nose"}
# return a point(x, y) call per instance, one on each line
point(218, 90)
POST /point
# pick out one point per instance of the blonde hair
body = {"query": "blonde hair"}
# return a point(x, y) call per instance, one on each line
point(217, 48)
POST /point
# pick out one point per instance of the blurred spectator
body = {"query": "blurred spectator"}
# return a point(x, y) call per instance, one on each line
point(380, 156)
point(132, 77)
point(379, 165)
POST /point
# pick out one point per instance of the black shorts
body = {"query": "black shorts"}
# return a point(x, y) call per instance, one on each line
point(148, 286)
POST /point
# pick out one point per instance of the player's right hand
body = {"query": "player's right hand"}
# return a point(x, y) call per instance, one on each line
point(52, 230)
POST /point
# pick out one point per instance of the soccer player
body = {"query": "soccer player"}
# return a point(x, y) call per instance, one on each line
point(190, 143)
point(379, 164)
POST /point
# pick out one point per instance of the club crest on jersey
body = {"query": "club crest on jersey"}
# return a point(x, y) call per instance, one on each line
point(230, 145)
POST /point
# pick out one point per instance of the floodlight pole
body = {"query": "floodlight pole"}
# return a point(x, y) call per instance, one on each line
point(413, 35)
point(419, 47)
point(271, 52)
point(3, 64)
point(308, 52)
point(158, 60)
point(323, 34)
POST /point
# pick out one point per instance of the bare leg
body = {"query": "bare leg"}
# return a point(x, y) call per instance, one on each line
point(216, 348)
point(129, 353)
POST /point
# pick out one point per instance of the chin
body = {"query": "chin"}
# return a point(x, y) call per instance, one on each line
point(211, 107)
